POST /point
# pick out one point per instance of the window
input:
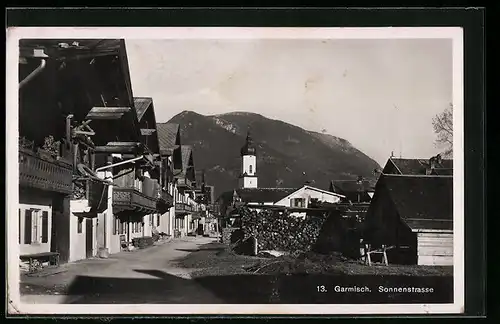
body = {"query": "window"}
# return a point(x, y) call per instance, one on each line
point(36, 226)
point(79, 225)
point(298, 202)
point(19, 234)
point(45, 226)
point(250, 168)
point(158, 220)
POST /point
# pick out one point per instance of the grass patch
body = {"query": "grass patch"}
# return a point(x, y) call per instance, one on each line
point(217, 259)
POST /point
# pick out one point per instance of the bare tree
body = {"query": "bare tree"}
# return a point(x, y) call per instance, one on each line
point(443, 127)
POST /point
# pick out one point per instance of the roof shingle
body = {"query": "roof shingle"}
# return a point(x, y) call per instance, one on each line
point(187, 152)
point(418, 166)
point(141, 104)
point(167, 135)
point(423, 202)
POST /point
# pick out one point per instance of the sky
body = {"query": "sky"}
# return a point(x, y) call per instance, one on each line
point(379, 94)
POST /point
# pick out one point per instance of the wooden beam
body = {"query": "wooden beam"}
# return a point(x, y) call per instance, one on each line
point(119, 148)
point(138, 144)
point(115, 149)
point(107, 112)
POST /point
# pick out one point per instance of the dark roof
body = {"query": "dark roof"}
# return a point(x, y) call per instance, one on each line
point(442, 171)
point(167, 135)
point(262, 195)
point(141, 104)
point(187, 152)
point(423, 202)
point(72, 47)
point(418, 166)
point(347, 186)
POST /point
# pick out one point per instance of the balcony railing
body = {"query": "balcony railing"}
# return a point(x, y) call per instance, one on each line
point(131, 199)
point(182, 208)
point(167, 198)
point(183, 183)
point(41, 173)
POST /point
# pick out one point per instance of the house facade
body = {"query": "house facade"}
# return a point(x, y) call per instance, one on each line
point(59, 93)
point(94, 179)
point(412, 214)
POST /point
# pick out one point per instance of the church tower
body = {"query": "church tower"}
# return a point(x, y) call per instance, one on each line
point(248, 177)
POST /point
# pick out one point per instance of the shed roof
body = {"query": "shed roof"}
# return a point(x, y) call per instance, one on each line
point(423, 202)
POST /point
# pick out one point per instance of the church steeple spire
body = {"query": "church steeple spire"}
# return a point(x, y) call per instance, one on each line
point(248, 178)
point(249, 147)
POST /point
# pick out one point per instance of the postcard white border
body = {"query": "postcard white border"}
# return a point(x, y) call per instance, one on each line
point(16, 33)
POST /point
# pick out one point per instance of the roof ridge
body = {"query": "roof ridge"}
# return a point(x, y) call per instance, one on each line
point(417, 175)
point(417, 159)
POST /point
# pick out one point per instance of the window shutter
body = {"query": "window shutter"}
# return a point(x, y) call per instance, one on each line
point(27, 226)
point(45, 227)
point(19, 234)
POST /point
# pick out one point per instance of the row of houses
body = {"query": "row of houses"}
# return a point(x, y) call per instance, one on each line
point(96, 170)
point(408, 208)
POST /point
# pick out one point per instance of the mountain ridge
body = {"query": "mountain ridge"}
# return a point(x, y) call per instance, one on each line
point(287, 155)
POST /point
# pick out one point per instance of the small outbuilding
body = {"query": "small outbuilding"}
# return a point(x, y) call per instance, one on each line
point(413, 216)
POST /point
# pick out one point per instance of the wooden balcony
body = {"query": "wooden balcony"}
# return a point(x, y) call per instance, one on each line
point(182, 209)
point(165, 201)
point(132, 200)
point(184, 184)
point(42, 173)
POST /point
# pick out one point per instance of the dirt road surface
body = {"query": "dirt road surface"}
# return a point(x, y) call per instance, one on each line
point(151, 275)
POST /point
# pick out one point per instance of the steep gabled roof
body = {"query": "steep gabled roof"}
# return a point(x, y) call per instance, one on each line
point(423, 202)
point(168, 135)
point(141, 104)
point(417, 166)
point(187, 155)
point(262, 195)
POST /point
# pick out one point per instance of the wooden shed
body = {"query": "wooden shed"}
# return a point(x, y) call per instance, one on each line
point(413, 214)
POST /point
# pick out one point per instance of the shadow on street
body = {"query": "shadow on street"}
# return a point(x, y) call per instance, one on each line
point(164, 288)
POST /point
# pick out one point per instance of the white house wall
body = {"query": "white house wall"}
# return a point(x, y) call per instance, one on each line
point(435, 248)
point(78, 241)
point(307, 194)
point(43, 205)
